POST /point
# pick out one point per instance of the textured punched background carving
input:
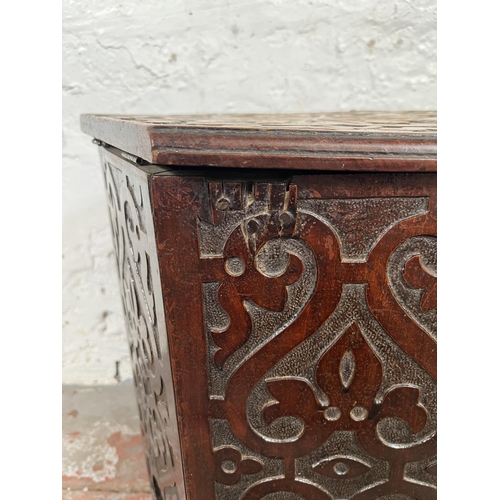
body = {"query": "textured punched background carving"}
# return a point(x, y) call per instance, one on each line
point(344, 403)
point(155, 57)
point(133, 235)
point(299, 346)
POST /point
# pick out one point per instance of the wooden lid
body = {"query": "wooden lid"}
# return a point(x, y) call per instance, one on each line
point(345, 141)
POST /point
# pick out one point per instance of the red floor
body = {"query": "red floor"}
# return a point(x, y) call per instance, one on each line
point(102, 446)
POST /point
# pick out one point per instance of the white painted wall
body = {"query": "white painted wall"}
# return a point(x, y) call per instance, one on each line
point(209, 56)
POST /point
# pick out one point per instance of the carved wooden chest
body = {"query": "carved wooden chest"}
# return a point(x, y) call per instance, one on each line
point(278, 275)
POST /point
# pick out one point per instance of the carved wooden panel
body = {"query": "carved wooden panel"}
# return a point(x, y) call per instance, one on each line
point(301, 316)
point(129, 205)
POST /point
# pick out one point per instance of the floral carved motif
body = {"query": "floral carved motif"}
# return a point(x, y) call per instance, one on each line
point(304, 368)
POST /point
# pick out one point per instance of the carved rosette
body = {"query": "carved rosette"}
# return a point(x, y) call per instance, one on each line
point(341, 410)
point(135, 247)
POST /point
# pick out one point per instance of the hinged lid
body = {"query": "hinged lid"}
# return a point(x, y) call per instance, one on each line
point(345, 141)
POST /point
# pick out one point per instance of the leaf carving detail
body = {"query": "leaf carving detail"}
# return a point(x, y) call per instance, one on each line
point(347, 368)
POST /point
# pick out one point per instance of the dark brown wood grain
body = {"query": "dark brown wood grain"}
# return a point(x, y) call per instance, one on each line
point(279, 277)
point(178, 203)
point(344, 141)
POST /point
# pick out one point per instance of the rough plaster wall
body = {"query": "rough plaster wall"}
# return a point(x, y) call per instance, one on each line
point(198, 56)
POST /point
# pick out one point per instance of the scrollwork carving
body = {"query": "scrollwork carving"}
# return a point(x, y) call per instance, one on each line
point(399, 371)
point(135, 247)
point(250, 468)
point(401, 411)
point(410, 297)
point(270, 260)
point(360, 223)
point(418, 473)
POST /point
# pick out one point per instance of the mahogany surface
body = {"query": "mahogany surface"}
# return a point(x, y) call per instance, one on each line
point(344, 141)
point(282, 326)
